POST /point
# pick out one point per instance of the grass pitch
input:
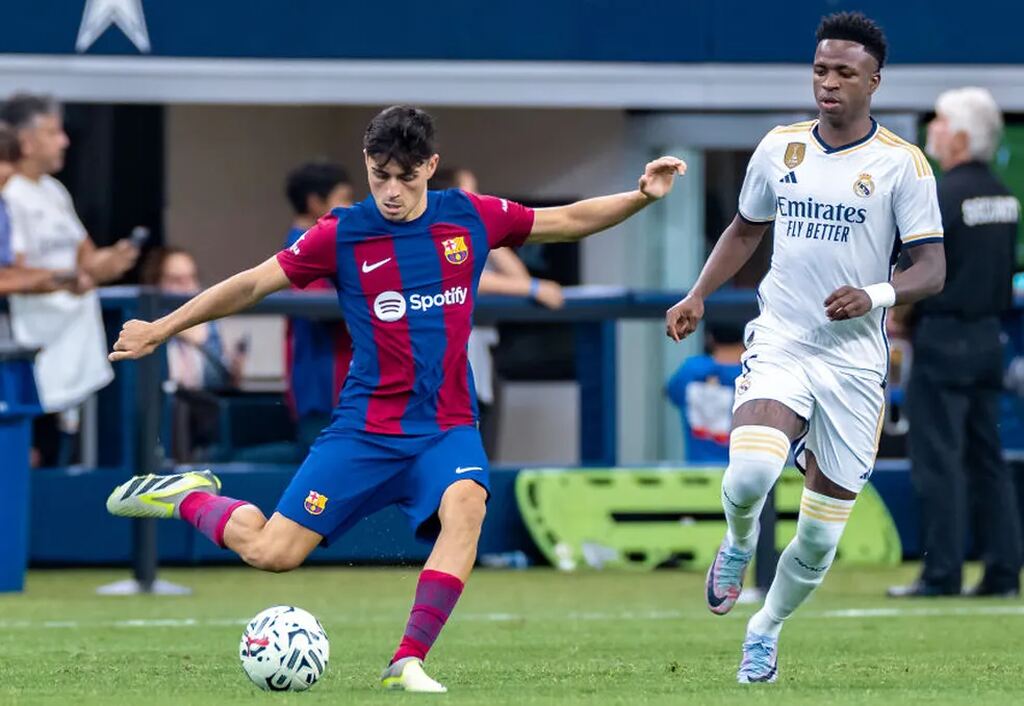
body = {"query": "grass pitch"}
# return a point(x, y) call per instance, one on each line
point(530, 637)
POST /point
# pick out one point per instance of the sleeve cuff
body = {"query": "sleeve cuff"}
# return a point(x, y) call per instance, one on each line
point(755, 221)
point(921, 241)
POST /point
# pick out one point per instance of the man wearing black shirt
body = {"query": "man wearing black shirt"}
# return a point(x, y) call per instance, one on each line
point(956, 376)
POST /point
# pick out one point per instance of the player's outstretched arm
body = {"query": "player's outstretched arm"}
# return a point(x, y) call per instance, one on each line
point(583, 218)
point(924, 278)
point(738, 242)
point(237, 293)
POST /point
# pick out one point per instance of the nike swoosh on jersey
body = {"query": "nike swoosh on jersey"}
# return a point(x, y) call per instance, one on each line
point(467, 469)
point(368, 268)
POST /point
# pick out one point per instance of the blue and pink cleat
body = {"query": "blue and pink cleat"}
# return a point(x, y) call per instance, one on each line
point(760, 659)
point(725, 577)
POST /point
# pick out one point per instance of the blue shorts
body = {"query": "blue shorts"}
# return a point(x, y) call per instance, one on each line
point(349, 475)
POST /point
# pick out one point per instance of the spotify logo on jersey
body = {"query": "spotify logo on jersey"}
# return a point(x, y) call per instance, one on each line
point(389, 306)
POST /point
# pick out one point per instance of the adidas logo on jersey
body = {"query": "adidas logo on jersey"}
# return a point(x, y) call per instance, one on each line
point(788, 179)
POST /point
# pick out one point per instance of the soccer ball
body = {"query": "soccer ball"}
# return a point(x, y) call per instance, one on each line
point(284, 649)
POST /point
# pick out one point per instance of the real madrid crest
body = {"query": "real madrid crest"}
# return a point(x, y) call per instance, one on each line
point(794, 154)
point(864, 186)
point(742, 385)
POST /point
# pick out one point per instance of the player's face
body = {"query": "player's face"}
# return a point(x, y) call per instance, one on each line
point(845, 76)
point(45, 142)
point(400, 195)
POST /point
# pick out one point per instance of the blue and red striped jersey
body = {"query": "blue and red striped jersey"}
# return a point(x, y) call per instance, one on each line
point(407, 292)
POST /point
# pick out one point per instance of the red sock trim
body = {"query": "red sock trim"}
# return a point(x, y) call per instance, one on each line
point(218, 534)
point(441, 577)
point(191, 504)
point(410, 647)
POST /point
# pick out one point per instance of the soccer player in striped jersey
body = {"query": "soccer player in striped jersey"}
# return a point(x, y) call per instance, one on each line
point(844, 194)
point(406, 263)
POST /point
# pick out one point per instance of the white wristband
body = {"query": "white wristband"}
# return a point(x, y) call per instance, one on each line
point(881, 294)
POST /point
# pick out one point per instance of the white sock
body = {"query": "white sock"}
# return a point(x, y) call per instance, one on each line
point(756, 457)
point(805, 561)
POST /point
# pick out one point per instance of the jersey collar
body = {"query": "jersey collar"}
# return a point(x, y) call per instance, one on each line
point(828, 149)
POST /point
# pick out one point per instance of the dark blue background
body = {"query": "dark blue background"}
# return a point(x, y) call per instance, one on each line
point(558, 30)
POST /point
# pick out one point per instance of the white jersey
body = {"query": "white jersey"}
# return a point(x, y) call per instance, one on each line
point(67, 328)
point(838, 213)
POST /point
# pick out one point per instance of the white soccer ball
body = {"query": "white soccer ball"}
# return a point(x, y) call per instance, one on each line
point(284, 649)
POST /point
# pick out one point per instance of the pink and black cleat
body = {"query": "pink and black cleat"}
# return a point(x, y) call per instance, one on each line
point(725, 577)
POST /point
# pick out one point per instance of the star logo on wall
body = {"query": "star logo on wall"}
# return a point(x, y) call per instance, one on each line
point(99, 15)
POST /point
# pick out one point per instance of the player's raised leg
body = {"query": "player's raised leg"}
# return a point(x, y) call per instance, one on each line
point(758, 449)
point(824, 510)
point(277, 544)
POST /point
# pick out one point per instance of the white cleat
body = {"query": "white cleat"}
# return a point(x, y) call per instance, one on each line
point(159, 496)
point(407, 675)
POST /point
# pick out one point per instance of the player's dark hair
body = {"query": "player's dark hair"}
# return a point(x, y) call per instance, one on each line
point(855, 27)
point(313, 179)
point(401, 134)
point(22, 108)
point(10, 146)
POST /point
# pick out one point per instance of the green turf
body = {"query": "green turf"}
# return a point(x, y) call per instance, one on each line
point(532, 637)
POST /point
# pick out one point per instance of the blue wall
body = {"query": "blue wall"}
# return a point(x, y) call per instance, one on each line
point(557, 30)
point(63, 503)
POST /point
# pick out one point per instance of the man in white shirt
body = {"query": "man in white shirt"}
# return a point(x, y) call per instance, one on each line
point(67, 327)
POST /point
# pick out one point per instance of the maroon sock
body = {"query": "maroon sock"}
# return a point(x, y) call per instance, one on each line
point(209, 513)
point(436, 596)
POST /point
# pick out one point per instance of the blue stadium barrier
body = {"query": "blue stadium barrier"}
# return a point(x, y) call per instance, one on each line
point(64, 501)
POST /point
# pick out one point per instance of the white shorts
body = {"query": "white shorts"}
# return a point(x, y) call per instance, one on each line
point(843, 408)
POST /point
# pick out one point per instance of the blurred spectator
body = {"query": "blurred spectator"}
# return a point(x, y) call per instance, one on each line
point(318, 353)
point(504, 273)
point(196, 359)
point(15, 279)
point(66, 326)
point(955, 381)
point(702, 389)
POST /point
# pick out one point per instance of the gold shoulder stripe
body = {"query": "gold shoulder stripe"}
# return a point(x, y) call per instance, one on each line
point(921, 166)
point(914, 149)
point(795, 127)
point(920, 163)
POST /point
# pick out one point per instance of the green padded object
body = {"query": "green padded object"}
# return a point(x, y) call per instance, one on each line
point(645, 518)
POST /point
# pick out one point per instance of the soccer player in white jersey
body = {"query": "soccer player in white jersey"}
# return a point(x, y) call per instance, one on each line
point(844, 193)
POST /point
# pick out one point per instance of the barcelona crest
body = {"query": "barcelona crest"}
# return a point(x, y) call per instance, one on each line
point(315, 503)
point(455, 250)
